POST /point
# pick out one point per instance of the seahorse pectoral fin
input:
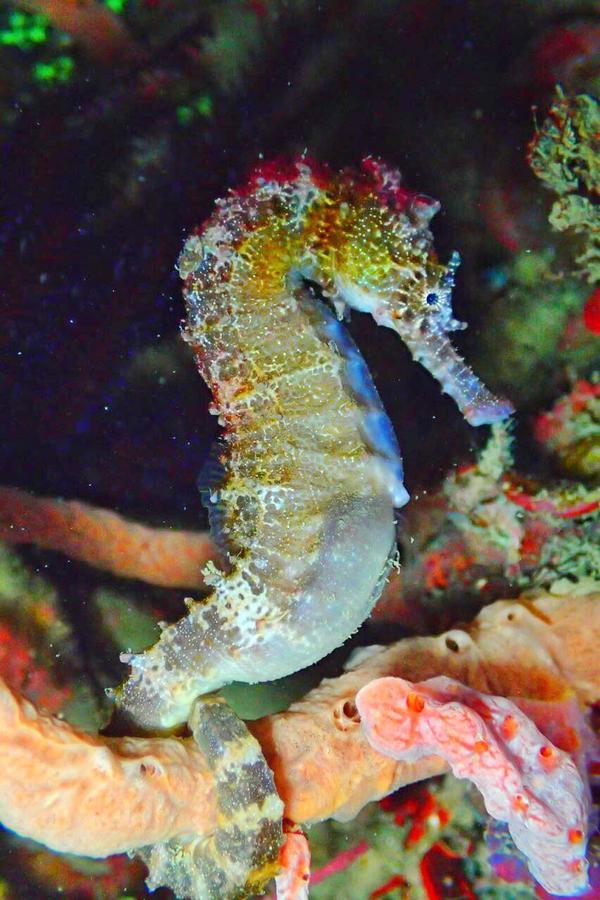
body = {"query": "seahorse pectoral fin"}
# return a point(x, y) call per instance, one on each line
point(242, 854)
point(432, 348)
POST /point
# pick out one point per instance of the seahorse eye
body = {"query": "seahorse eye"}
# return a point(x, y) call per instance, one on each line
point(431, 299)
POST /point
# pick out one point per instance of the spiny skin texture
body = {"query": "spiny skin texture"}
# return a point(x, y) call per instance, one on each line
point(312, 471)
point(525, 780)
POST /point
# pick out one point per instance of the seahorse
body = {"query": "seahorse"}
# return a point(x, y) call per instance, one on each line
point(304, 509)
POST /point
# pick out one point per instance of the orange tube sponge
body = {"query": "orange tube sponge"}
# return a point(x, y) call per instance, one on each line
point(97, 796)
point(106, 540)
point(525, 780)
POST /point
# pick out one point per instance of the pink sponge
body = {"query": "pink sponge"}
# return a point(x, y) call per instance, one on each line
point(525, 780)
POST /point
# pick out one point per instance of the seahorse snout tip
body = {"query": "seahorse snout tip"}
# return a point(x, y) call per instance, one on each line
point(496, 410)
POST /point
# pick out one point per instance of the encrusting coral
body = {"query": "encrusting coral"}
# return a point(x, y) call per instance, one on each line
point(127, 793)
point(489, 528)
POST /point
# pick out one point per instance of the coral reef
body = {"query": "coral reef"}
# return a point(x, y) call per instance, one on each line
point(542, 322)
point(509, 649)
point(38, 655)
point(120, 122)
point(489, 529)
point(535, 331)
point(414, 842)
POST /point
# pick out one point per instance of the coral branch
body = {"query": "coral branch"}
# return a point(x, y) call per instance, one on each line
point(340, 862)
point(105, 539)
point(525, 780)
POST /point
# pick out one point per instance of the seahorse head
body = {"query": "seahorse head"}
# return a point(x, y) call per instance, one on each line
point(358, 234)
point(372, 250)
point(375, 250)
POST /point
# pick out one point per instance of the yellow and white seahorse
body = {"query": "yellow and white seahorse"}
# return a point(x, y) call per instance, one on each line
point(311, 470)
